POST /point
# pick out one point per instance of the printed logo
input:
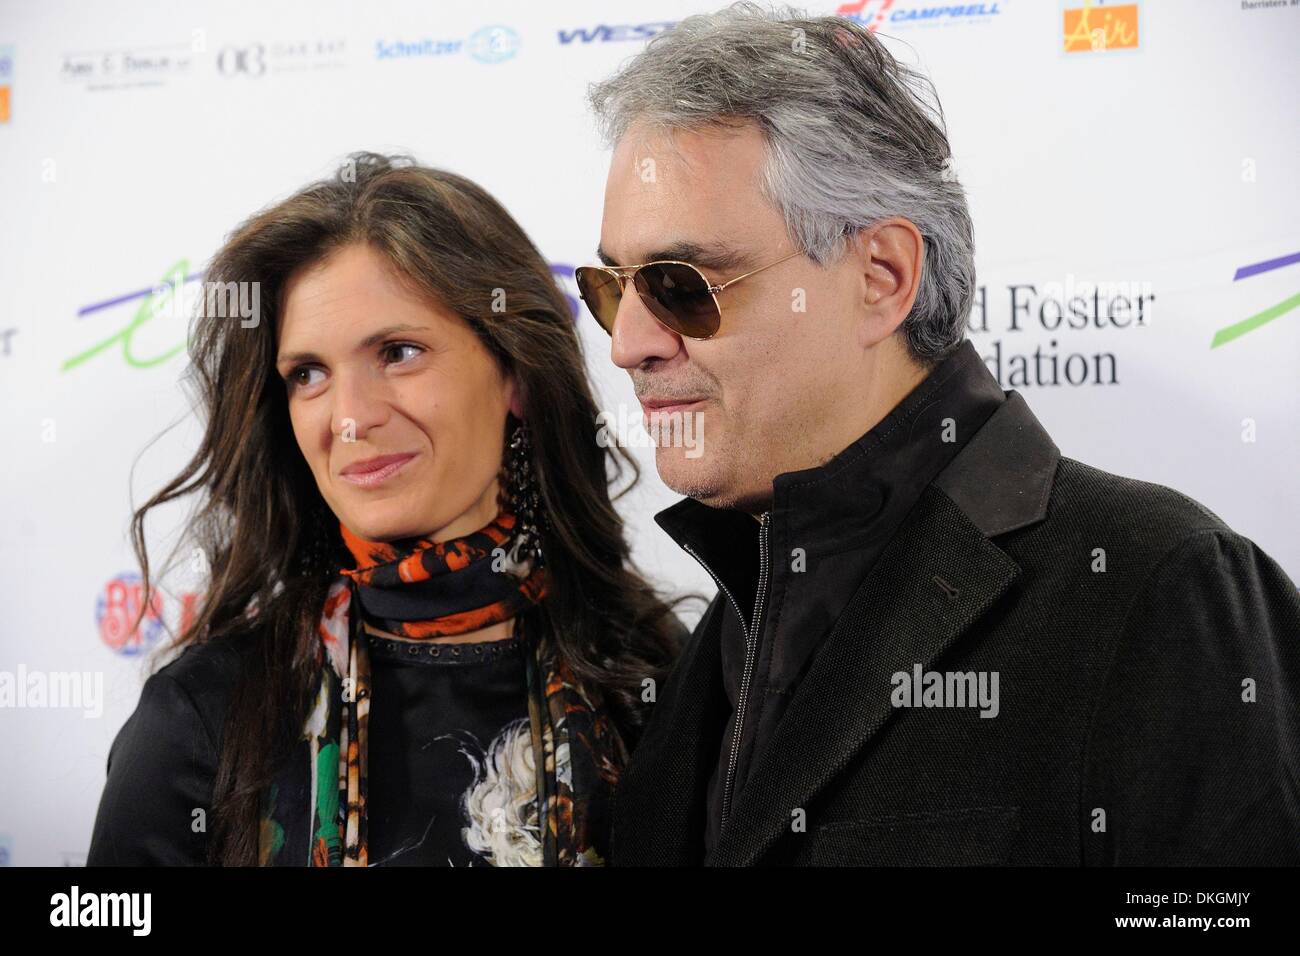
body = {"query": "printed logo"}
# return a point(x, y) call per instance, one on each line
point(494, 44)
point(1238, 329)
point(281, 56)
point(490, 44)
point(155, 303)
point(6, 82)
point(1098, 26)
point(874, 14)
point(116, 610)
point(127, 68)
point(606, 33)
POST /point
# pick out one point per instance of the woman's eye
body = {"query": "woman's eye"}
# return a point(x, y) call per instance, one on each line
point(393, 351)
point(294, 378)
point(403, 345)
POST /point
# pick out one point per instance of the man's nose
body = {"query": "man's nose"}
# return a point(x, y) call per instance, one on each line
point(360, 403)
point(638, 335)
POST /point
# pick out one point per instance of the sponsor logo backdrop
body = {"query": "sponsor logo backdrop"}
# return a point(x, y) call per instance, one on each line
point(1131, 170)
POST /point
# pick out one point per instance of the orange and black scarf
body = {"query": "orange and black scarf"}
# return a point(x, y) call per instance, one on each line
point(417, 589)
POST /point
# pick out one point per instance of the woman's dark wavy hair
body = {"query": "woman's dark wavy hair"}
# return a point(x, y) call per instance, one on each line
point(269, 537)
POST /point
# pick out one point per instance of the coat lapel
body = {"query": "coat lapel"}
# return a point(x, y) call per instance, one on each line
point(935, 578)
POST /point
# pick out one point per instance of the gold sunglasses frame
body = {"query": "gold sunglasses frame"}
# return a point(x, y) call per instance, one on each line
point(622, 274)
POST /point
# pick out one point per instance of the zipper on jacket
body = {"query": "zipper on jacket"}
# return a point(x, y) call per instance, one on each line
point(751, 654)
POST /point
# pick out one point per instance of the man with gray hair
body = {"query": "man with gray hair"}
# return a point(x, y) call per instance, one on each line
point(935, 639)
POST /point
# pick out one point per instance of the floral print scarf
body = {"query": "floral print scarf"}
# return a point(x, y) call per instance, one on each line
point(314, 813)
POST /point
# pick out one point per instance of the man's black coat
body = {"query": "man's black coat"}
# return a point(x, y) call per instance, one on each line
point(1147, 712)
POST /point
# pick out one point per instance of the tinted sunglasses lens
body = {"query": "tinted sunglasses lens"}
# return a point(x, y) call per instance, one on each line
point(679, 297)
point(601, 291)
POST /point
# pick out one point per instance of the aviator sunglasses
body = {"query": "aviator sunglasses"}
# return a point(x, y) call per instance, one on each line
point(676, 293)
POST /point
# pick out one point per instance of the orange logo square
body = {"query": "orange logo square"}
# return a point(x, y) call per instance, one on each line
point(1093, 28)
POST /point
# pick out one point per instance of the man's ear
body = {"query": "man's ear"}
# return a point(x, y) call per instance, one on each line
point(891, 254)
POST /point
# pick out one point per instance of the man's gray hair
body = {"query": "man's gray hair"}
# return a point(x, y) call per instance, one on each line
point(850, 138)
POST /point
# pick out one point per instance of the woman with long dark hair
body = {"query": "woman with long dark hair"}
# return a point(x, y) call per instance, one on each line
point(423, 641)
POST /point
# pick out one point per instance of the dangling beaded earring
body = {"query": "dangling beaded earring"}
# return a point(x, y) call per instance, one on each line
point(317, 556)
point(522, 496)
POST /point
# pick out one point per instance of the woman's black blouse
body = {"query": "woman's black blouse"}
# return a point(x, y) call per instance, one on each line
point(442, 724)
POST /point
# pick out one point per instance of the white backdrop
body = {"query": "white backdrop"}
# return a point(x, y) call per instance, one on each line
point(134, 135)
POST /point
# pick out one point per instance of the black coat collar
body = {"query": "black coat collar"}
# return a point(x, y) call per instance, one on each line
point(836, 506)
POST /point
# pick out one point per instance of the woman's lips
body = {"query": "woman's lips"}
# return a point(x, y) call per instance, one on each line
point(368, 479)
